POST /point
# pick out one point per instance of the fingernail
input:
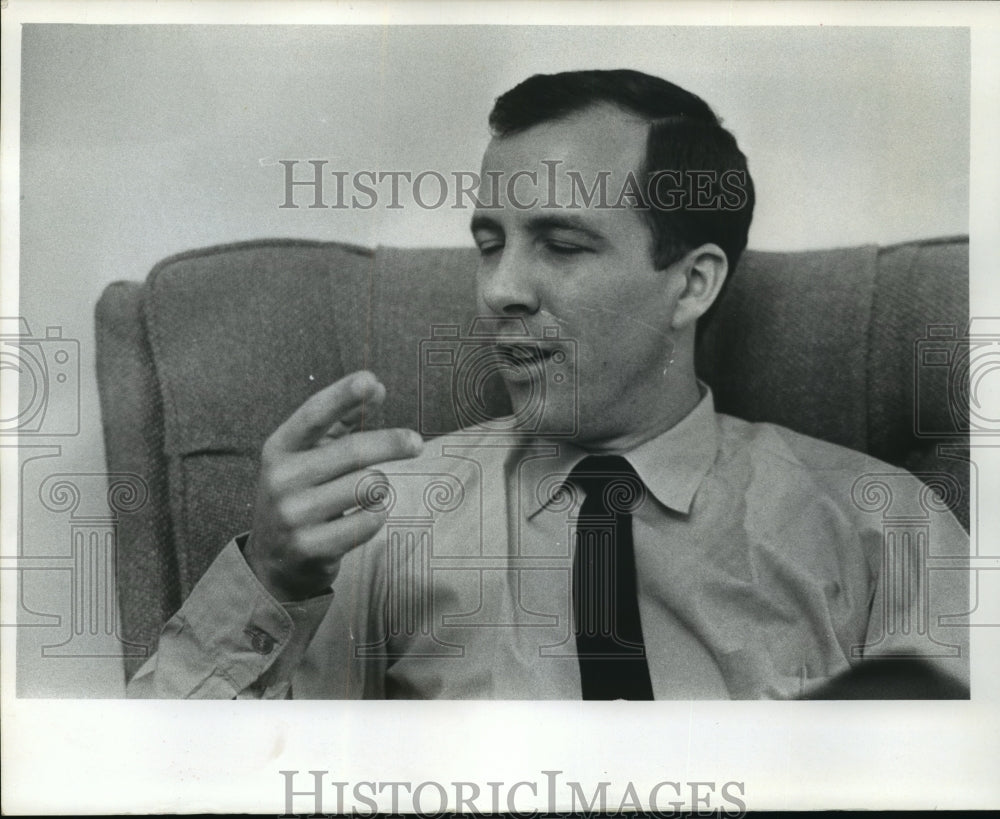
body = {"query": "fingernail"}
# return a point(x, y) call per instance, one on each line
point(416, 441)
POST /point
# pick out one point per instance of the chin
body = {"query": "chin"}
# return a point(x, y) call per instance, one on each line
point(542, 413)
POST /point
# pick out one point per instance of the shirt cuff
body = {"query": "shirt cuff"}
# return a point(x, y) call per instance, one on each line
point(232, 638)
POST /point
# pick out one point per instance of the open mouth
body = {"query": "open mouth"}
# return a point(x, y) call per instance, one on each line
point(524, 354)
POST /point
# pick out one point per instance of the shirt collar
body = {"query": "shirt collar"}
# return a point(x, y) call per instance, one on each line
point(672, 465)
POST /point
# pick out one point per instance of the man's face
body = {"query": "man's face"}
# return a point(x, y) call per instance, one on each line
point(586, 270)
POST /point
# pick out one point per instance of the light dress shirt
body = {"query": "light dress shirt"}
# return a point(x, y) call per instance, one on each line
point(768, 562)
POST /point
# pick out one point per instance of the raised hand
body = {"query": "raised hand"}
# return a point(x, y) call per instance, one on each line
point(308, 515)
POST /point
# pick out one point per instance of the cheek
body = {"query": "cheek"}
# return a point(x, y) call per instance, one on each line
point(622, 341)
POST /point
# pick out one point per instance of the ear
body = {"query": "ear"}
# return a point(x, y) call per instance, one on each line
point(704, 270)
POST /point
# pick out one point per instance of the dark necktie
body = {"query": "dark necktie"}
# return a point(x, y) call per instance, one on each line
point(605, 605)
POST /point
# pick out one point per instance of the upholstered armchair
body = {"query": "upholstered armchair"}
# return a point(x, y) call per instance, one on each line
point(198, 364)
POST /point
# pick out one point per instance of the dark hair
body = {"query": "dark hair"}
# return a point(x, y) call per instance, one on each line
point(684, 137)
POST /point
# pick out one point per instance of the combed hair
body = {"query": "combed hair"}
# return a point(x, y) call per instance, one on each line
point(684, 136)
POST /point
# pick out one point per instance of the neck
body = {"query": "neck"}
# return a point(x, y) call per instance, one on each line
point(683, 400)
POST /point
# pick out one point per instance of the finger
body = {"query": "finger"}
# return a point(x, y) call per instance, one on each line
point(354, 418)
point(335, 538)
point(318, 504)
point(338, 430)
point(320, 411)
point(341, 456)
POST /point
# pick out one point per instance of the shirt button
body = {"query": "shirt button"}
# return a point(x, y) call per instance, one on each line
point(260, 640)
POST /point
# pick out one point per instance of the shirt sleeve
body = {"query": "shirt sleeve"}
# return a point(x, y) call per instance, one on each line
point(921, 604)
point(230, 639)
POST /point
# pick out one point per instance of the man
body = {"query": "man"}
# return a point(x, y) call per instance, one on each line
point(628, 541)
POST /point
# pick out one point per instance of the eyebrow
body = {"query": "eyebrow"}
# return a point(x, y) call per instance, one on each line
point(539, 224)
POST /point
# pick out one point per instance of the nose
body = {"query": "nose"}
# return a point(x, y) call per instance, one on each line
point(507, 284)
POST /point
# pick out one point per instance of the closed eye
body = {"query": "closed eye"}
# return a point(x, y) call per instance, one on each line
point(565, 249)
point(490, 248)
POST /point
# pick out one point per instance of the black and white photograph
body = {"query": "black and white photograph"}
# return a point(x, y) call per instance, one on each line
point(609, 391)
